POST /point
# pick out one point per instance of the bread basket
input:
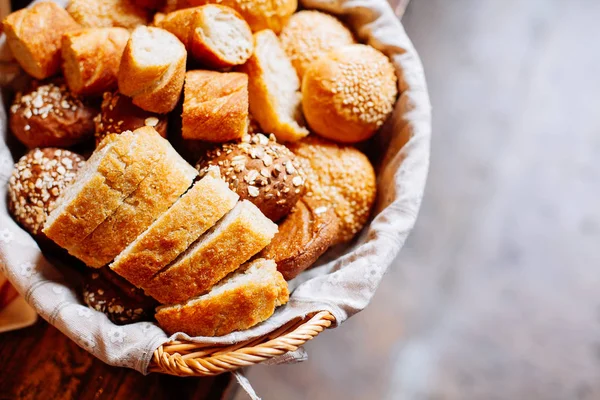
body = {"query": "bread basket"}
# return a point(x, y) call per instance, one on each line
point(342, 283)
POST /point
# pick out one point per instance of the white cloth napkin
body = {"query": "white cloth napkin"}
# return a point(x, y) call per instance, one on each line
point(347, 277)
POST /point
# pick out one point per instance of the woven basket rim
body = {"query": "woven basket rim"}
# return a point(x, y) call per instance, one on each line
point(186, 358)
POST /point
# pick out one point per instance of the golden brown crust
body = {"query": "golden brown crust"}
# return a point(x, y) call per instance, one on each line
point(155, 88)
point(171, 176)
point(275, 100)
point(108, 13)
point(91, 59)
point(118, 114)
point(260, 170)
point(238, 307)
point(34, 36)
point(341, 176)
point(348, 93)
point(37, 180)
point(215, 106)
point(205, 264)
point(309, 34)
point(259, 14)
point(48, 115)
point(193, 214)
point(306, 233)
point(111, 174)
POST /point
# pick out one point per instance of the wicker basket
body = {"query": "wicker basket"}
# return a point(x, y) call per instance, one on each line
point(193, 359)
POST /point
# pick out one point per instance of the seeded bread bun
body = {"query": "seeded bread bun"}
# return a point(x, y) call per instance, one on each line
point(118, 114)
point(341, 176)
point(123, 303)
point(37, 180)
point(260, 170)
point(304, 235)
point(50, 116)
point(348, 93)
point(310, 34)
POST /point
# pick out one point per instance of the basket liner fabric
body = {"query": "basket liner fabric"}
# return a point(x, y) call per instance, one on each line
point(346, 278)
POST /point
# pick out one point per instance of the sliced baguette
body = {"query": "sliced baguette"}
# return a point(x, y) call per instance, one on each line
point(274, 88)
point(152, 69)
point(171, 176)
point(192, 215)
point(113, 172)
point(107, 13)
point(245, 298)
point(91, 59)
point(242, 233)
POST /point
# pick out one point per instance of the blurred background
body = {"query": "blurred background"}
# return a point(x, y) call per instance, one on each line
point(496, 294)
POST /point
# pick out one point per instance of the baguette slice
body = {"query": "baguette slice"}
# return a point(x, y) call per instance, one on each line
point(171, 176)
point(152, 69)
point(106, 13)
point(215, 106)
point(91, 59)
point(274, 88)
point(242, 300)
point(34, 37)
point(192, 215)
point(242, 233)
point(114, 171)
point(215, 35)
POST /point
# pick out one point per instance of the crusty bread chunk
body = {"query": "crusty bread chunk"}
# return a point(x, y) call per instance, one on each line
point(215, 106)
point(242, 233)
point(91, 59)
point(242, 300)
point(274, 88)
point(107, 13)
point(34, 36)
point(152, 69)
point(192, 215)
point(170, 177)
point(114, 171)
point(215, 35)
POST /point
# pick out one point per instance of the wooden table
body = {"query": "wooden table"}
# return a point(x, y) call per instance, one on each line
point(39, 362)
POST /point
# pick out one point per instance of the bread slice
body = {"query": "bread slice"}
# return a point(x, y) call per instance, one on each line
point(192, 215)
point(275, 99)
point(171, 176)
point(91, 59)
point(215, 35)
point(107, 13)
point(34, 37)
point(242, 300)
point(242, 233)
point(152, 69)
point(215, 106)
point(113, 172)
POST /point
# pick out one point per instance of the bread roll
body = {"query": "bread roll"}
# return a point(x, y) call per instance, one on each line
point(171, 234)
point(242, 233)
point(112, 173)
point(152, 69)
point(118, 114)
point(106, 13)
point(215, 35)
point(215, 106)
point(242, 300)
point(34, 36)
point(48, 115)
point(340, 176)
point(274, 89)
point(303, 236)
point(310, 34)
point(348, 93)
point(91, 59)
point(259, 14)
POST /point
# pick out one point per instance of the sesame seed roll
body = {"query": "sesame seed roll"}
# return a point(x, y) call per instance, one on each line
point(348, 93)
point(310, 34)
point(37, 181)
